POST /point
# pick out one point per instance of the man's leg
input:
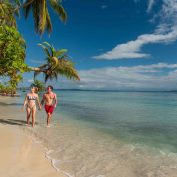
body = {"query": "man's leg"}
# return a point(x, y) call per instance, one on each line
point(48, 118)
point(49, 114)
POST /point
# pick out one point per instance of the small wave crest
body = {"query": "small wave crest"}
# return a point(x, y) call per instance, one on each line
point(54, 163)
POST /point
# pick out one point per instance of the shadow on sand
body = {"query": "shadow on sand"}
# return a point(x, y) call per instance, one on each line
point(10, 104)
point(14, 122)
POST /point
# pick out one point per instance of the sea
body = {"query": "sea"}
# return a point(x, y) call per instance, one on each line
point(110, 133)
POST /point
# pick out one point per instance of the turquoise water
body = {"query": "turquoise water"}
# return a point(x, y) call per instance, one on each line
point(137, 117)
point(111, 134)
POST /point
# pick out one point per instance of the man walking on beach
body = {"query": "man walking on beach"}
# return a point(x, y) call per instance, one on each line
point(50, 100)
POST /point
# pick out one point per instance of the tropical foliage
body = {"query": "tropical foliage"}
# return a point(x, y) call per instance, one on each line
point(12, 55)
point(7, 12)
point(7, 89)
point(41, 16)
point(39, 9)
point(12, 45)
point(57, 63)
point(40, 85)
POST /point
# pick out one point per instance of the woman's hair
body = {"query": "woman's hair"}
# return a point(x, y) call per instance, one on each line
point(35, 87)
point(32, 86)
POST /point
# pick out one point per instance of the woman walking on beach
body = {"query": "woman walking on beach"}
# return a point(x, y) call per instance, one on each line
point(30, 105)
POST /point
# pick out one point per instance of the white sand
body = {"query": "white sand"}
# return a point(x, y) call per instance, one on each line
point(20, 155)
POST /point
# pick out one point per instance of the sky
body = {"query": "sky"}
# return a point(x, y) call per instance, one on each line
point(115, 44)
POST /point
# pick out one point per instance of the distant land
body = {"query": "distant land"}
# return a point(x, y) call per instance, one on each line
point(101, 90)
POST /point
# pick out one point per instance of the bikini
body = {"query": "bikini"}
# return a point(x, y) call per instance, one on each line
point(31, 98)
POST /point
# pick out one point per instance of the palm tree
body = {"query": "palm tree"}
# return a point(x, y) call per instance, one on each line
point(56, 64)
point(40, 10)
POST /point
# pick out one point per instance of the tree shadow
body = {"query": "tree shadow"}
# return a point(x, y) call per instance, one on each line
point(14, 122)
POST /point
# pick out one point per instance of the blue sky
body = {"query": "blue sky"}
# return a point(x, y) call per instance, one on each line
point(122, 45)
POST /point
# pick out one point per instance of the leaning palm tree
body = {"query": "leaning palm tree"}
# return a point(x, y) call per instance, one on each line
point(40, 10)
point(57, 63)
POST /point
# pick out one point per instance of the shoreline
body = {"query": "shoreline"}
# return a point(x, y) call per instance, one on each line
point(72, 148)
point(23, 155)
point(19, 151)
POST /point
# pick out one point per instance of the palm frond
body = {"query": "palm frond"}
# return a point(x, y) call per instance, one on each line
point(45, 50)
point(48, 22)
point(16, 3)
point(66, 68)
point(46, 78)
point(56, 66)
point(42, 19)
point(60, 52)
point(7, 16)
point(59, 9)
point(27, 8)
point(36, 17)
point(50, 47)
point(40, 12)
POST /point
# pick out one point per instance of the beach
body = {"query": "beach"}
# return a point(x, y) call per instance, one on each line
point(20, 154)
point(88, 88)
point(128, 135)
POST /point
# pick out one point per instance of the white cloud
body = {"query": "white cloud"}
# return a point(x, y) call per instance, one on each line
point(138, 77)
point(150, 5)
point(30, 80)
point(159, 76)
point(132, 49)
point(166, 32)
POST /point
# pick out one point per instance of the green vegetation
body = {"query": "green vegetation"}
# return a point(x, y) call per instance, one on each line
point(12, 55)
point(7, 90)
point(41, 14)
point(13, 48)
point(7, 13)
point(40, 85)
point(56, 64)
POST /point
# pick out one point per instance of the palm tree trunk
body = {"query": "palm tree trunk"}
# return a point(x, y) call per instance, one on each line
point(34, 69)
point(37, 69)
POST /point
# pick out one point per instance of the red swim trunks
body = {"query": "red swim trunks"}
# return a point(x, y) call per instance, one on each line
point(49, 108)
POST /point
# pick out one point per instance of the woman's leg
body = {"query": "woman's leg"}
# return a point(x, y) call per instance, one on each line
point(28, 113)
point(33, 115)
